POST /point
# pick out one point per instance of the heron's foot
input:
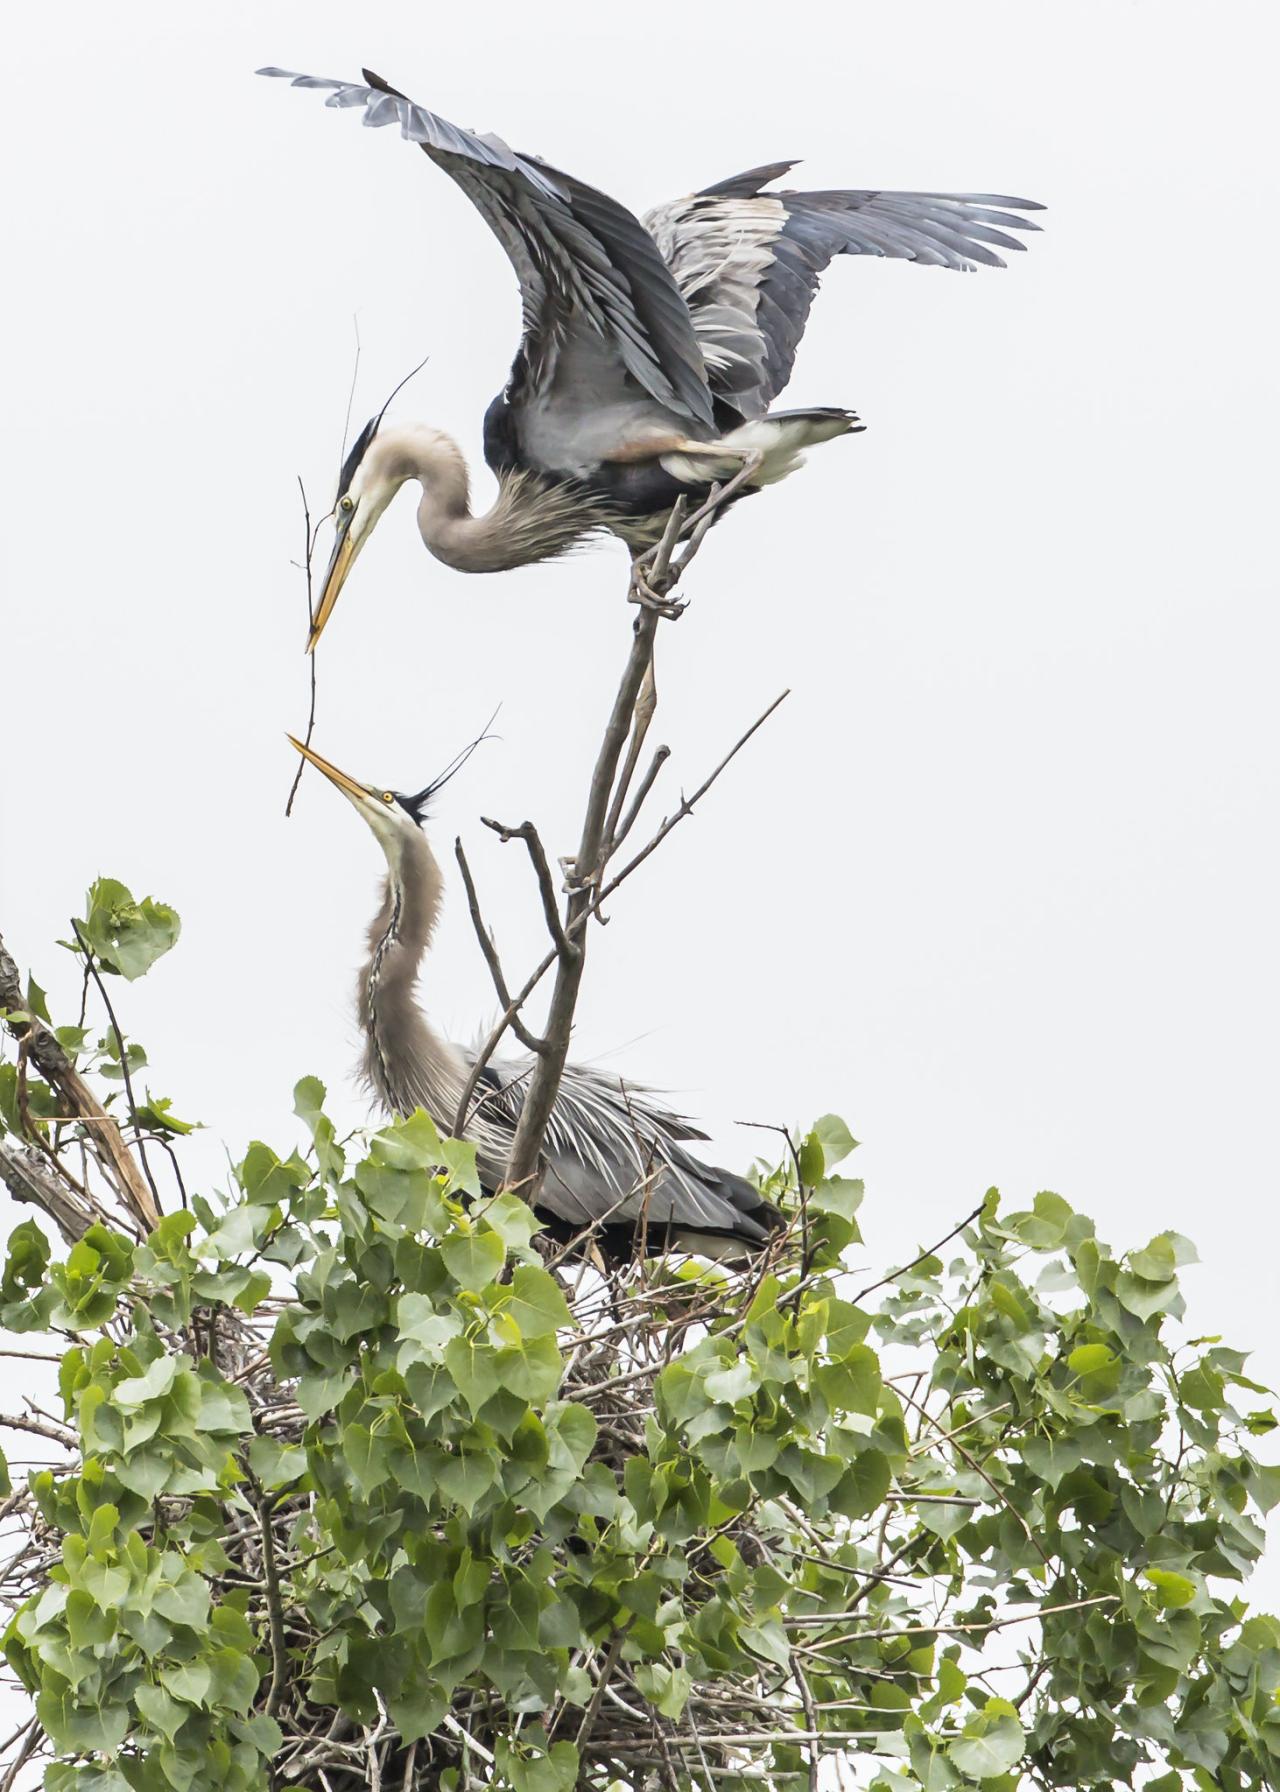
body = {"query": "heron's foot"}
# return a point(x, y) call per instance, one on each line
point(643, 593)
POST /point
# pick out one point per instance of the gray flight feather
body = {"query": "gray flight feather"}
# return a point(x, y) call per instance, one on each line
point(585, 264)
point(749, 262)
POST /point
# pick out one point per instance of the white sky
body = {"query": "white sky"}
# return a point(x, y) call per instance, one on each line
point(999, 883)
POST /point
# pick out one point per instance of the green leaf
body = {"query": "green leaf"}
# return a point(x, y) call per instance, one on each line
point(160, 1710)
point(26, 1263)
point(531, 1369)
point(136, 1390)
point(992, 1742)
point(863, 1487)
point(665, 1687)
point(1163, 1257)
point(127, 936)
point(93, 1728)
point(157, 1113)
point(473, 1259)
point(837, 1194)
point(1172, 1590)
point(512, 1219)
point(835, 1139)
point(537, 1305)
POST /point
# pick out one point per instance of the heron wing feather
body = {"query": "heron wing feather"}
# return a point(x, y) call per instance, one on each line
point(584, 263)
point(749, 262)
point(616, 1156)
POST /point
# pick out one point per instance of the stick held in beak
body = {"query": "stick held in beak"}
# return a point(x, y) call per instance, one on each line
point(339, 566)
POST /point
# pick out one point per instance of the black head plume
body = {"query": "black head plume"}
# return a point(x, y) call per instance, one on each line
point(359, 448)
point(415, 807)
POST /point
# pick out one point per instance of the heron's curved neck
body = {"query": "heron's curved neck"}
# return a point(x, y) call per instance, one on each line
point(406, 1062)
point(529, 520)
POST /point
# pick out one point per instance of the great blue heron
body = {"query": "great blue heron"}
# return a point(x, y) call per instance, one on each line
point(651, 351)
point(615, 1161)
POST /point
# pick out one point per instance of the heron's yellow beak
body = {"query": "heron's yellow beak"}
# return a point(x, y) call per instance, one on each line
point(344, 553)
point(347, 785)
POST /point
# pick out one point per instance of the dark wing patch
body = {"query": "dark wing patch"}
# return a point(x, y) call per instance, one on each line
point(746, 186)
point(582, 259)
point(749, 262)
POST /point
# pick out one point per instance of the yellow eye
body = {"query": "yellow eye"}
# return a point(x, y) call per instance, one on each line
point(347, 503)
point(388, 796)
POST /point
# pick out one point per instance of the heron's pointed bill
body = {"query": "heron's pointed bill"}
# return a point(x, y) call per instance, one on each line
point(340, 562)
point(347, 785)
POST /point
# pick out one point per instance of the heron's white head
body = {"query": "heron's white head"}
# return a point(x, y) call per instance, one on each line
point(394, 817)
point(380, 461)
point(365, 488)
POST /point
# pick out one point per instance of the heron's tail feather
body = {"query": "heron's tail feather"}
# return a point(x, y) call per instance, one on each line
point(780, 440)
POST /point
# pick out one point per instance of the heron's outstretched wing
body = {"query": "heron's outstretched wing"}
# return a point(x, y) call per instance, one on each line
point(749, 262)
point(582, 260)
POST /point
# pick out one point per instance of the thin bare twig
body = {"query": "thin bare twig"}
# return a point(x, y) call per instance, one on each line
point(932, 1251)
point(101, 987)
point(309, 537)
point(542, 870)
point(529, 1040)
point(574, 927)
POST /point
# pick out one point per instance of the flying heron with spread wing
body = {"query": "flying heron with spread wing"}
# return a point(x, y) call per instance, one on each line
point(652, 350)
point(616, 1165)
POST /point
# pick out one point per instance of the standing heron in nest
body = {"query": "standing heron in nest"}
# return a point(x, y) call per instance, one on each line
point(652, 351)
point(615, 1163)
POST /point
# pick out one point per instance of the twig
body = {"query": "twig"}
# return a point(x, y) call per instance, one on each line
point(56, 1434)
point(1027, 1617)
point(546, 885)
point(687, 805)
point(57, 1069)
point(592, 1711)
point(619, 831)
point(96, 974)
point(275, 1610)
point(544, 1085)
point(978, 1469)
point(30, 1743)
point(449, 1722)
point(932, 1250)
point(310, 543)
point(529, 1040)
point(574, 927)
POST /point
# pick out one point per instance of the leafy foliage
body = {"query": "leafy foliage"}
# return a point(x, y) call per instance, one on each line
point(362, 1483)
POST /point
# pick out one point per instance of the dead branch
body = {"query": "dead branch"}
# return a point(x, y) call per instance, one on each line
point(309, 547)
point(101, 988)
point(529, 1040)
point(106, 1141)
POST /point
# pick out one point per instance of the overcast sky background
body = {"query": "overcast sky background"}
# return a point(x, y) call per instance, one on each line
point(1000, 881)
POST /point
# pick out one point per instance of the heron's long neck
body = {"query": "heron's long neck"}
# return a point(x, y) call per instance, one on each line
point(529, 519)
point(406, 1061)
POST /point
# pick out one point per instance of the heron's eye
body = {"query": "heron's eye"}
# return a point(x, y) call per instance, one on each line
point(347, 503)
point(388, 796)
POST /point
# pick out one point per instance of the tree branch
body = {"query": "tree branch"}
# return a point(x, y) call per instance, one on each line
point(57, 1069)
point(529, 1040)
point(546, 884)
point(124, 1059)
